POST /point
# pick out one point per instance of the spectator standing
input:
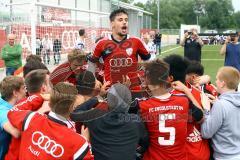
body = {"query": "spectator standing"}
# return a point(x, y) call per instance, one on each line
point(80, 44)
point(150, 46)
point(239, 36)
point(231, 50)
point(38, 46)
point(157, 42)
point(12, 55)
point(47, 47)
point(57, 45)
point(192, 45)
point(221, 123)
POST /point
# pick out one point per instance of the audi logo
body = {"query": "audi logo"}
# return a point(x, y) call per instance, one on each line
point(69, 39)
point(121, 62)
point(46, 144)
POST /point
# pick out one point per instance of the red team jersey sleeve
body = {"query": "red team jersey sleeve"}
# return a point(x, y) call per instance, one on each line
point(17, 117)
point(33, 103)
point(166, 122)
point(142, 50)
point(61, 74)
point(97, 50)
point(197, 147)
point(42, 138)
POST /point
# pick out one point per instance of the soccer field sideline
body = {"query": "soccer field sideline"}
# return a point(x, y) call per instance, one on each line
point(204, 50)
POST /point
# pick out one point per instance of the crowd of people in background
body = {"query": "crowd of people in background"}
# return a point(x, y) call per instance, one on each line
point(121, 101)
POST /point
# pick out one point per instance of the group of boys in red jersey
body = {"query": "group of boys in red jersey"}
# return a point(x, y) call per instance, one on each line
point(172, 114)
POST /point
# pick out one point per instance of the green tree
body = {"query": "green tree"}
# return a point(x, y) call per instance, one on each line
point(236, 17)
point(213, 14)
point(139, 4)
point(218, 14)
point(127, 1)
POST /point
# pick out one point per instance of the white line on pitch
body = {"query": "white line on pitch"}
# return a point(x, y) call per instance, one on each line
point(212, 59)
point(210, 50)
point(170, 49)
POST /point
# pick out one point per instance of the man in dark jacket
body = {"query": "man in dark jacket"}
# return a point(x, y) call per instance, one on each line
point(115, 134)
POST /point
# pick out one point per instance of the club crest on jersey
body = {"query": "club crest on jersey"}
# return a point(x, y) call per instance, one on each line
point(129, 51)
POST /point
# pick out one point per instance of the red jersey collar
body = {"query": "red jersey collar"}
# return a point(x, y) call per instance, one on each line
point(112, 38)
point(60, 119)
point(164, 97)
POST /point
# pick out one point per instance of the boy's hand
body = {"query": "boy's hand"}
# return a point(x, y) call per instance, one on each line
point(179, 86)
point(45, 108)
point(85, 132)
point(45, 96)
point(205, 101)
point(104, 88)
point(126, 81)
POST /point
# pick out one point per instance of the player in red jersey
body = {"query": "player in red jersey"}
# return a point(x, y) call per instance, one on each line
point(49, 137)
point(166, 114)
point(67, 71)
point(37, 83)
point(194, 76)
point(197, 147)
point(119, 51)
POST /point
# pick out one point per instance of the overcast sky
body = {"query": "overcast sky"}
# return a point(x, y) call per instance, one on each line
point(236, 3)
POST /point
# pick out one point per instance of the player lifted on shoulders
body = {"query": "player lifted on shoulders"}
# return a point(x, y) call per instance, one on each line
point(119, 51)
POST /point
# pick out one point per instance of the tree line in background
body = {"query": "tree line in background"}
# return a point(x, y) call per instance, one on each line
point(212, 14)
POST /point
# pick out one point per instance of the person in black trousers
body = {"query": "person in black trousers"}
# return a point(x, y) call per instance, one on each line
point(57, 45)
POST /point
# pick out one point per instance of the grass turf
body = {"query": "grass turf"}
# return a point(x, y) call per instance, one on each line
point(211, 59)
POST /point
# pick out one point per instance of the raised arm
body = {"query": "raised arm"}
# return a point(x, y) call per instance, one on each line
point(182, 42)
point(224, 47)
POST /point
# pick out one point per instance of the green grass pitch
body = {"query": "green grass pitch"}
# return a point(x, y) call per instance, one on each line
point(211, 59)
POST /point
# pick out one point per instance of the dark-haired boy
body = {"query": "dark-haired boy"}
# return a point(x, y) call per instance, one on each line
point(37, 83)
point(194, 74)
point(114, 132)
point(119, 50)
point(197, 148)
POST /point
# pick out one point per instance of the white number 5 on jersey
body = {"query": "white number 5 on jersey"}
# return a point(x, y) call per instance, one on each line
point(163, 129)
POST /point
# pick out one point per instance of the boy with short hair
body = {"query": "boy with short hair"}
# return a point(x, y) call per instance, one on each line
point(12, 90)
point(115, 133)
point(221, 123)
point(194, 76)
point(50, 137)
point(37, 83)
point(197, 147)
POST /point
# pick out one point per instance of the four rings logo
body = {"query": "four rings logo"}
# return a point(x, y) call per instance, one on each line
point(69, 39)
point(46, 144)
point(121, 62)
